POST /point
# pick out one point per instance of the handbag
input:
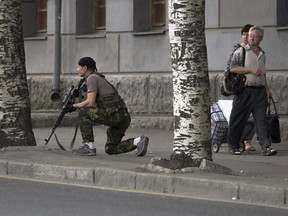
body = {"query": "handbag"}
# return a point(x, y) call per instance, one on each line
point(273, 122)
point(233, 83)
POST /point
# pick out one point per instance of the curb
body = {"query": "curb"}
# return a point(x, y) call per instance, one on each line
point(169, 184)
point(41, 119)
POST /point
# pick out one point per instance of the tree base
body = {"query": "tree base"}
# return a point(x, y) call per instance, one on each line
point(177, 162)
point(184, 164)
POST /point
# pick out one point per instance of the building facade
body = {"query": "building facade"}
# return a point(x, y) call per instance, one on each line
point(129, 40)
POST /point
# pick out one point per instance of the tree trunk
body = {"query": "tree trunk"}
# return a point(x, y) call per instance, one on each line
point(192, 126)
point(15, 111)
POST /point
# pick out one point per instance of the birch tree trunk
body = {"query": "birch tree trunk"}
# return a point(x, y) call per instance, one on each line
point(192, 126)
point(15, 111)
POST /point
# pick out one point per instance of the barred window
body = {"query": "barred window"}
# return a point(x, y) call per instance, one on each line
point(99, 15)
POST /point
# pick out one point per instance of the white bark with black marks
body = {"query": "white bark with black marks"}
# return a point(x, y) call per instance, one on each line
point(15, 111)
point(192, 126)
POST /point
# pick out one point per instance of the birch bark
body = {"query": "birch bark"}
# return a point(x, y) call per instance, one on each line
point(192, 126)
point(15, 111)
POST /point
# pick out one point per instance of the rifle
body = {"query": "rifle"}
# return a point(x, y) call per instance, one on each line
point(69, 98)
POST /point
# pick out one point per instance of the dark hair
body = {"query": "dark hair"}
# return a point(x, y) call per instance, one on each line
point(246, 28)
point(88, 62)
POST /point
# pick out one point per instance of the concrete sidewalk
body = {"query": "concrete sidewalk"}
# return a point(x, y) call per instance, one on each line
point(262, 180)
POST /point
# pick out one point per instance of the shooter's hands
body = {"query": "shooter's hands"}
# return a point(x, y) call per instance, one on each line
point(69, 108)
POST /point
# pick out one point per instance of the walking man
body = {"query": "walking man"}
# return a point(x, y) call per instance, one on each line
point(254, 97)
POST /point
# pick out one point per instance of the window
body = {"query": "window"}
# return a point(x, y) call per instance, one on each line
point(41, 16)
point(99, 15)
point(282, 13)
point(90, 16)
point(29, 17)
point(34, 17)
point(158, 13)
point(149, 15)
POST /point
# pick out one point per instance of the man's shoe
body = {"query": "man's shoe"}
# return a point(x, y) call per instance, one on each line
point(85, 151)
point(269, 152)
point(235, 152)
point(142, 146)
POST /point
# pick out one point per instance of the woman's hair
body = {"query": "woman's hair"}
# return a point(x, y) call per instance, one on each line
point(246, 28)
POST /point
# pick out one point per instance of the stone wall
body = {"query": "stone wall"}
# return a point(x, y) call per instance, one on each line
point(148, 97)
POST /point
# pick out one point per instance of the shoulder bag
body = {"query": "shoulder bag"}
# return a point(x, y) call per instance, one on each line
point(233, 83)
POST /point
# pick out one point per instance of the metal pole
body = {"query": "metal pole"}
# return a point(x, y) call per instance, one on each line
point(57, 52)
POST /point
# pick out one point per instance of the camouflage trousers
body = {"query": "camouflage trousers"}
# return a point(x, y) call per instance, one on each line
point(117, 120)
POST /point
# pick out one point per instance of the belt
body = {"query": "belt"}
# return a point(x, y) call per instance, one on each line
point(254, 87)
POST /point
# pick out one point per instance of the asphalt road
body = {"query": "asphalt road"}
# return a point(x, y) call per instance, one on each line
point(31, 198)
